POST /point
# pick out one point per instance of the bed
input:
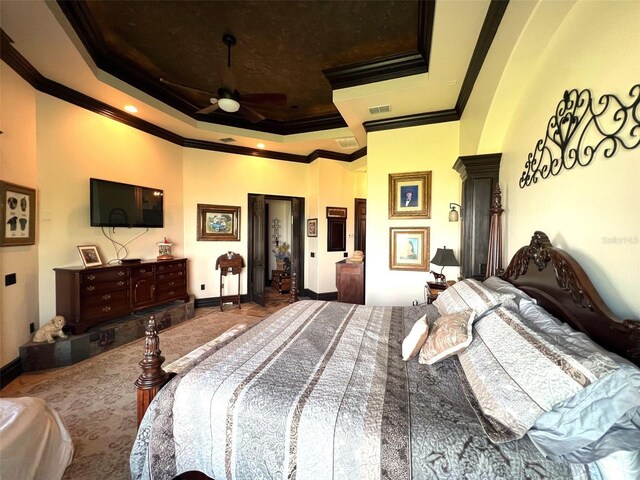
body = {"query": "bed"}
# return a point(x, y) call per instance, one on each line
point(321, 390)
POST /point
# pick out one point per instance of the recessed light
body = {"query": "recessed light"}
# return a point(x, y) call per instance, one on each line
point(260, 145)
point(131, 109)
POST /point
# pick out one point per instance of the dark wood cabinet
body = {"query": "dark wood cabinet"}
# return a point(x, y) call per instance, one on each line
point(350, 282)
point(479, 175)
point(88, 296)
point(280, 280)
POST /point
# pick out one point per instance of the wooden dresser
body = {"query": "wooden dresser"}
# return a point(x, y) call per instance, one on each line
point(88, 296)
point(350, 282)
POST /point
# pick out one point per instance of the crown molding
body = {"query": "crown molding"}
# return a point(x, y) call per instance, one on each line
point(426, 118)
point(392, 66)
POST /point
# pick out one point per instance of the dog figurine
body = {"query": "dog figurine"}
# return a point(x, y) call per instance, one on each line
point(50, 330)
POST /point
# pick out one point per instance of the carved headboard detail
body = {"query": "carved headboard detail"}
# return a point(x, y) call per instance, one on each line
point(561, 286)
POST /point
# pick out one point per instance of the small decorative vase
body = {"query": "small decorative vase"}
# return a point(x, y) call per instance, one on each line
point(279, 264)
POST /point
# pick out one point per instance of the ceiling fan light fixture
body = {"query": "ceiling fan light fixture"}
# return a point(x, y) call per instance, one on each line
point(229, 105)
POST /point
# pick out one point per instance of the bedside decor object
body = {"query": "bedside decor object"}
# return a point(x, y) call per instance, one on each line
point(312, 227)
point(409, 248)
point(358, 257)
point(218, 222)
point(410, 195)
point(454, 216)
point(444, 257)
point(50, 330)
point(17, 215)
point(89, 255)
point(580, 129)
point(164, 250)
point(275, 226)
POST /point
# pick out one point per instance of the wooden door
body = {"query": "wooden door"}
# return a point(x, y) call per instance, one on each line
point(298, 229)
point(256, 261)
point(360, 240)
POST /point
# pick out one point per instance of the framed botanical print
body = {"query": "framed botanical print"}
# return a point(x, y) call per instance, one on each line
point(410, 195)
point(409, 248)
point(18, 215)
point(218, 222)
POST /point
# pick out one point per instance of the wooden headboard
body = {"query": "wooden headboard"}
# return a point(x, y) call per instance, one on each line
point(560, 285)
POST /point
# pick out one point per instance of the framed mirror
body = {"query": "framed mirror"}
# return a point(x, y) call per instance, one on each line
point(336, 234)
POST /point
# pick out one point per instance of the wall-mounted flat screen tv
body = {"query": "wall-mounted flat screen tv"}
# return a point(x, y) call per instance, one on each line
point(115, 204)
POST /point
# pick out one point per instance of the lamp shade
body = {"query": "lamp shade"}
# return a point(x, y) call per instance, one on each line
point(445, 258)
point(453, 215)
point(229, 105)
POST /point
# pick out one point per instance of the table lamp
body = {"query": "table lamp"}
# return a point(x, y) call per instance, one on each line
point(445, 258)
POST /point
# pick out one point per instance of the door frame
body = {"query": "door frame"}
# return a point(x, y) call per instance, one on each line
point(298, 236)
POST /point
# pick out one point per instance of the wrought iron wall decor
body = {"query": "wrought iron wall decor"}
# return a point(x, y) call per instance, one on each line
point(580, 129)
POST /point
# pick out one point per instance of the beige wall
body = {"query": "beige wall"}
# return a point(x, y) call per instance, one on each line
point(431, 147)
point(75, 145)
point(589, 211)
point(19, 302)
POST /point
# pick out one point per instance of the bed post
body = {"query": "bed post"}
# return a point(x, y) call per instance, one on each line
point(153, 377)
point(293, 297)
point(494, 258)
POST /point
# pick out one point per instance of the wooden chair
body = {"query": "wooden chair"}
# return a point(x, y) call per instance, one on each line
point(229, 264)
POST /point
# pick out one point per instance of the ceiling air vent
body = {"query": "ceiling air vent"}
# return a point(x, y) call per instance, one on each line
point(227, 140)
point(347, 143)
point(379, 109)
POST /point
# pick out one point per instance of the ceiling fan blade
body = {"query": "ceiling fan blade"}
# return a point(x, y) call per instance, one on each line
point(250, 114)
point(209, 109)
point(182, 85)
point(269, 99)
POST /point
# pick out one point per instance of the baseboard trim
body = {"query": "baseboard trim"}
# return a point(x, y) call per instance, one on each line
point(10, 372)
point(215, 301)
point(330, 296)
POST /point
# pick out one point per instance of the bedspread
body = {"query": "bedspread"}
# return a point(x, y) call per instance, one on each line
point(319, 390)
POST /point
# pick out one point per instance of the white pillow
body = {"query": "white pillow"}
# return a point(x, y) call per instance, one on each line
point(620, 466)
point(412, 344)
point(469, 294)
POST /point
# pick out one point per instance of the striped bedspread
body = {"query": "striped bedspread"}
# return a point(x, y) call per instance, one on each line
point(319, 391)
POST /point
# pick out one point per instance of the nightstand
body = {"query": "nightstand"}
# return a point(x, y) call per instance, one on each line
point(433, 289)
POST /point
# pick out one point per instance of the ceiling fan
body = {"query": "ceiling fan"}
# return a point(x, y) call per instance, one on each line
point(231, 100)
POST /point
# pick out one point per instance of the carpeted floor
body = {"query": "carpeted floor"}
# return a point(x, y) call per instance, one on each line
point(97, 400)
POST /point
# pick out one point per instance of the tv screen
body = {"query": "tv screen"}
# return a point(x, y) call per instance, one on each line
point(116, 204)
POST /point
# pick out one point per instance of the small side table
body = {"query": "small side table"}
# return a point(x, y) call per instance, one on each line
point(433, 289)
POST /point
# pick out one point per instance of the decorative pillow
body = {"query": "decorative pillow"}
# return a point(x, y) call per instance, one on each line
point(449, 335)
point(413, 342)
point(517, 373)
point(468, 294)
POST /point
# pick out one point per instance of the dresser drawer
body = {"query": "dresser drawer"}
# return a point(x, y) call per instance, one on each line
point(142, 270)
point(171, 266)
point(106, 298)
point(106, 310)
point(171, 282)
point(110, 275)
point(165, 277)
point(92, 288)
point(169, 292)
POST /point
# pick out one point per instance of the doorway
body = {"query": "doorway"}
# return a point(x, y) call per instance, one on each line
point(264, 232)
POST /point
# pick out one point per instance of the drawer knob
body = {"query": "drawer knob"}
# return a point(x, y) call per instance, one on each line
point(180, 274)
point(106, 308)
point(91, 277)
point(106, 296)
point(172, 283)
point(161, 276)
point(120, 283)
point(161, 268)
point(122, 273)
point(171, 292)
point(142, 270)
point(91, 288)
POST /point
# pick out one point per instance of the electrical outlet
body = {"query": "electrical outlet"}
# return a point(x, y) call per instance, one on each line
point(313, 254)
point(202, 286)
point(9, 279)
point(414, 303)
point(32, 327)
point(345, 254)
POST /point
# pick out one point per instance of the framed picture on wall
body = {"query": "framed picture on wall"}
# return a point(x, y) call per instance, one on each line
point(312, 227)
point(89, 255)
point(18, 215)
point(218, 222)
point(409, 248)
point(410, 195)
point(336, 212)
